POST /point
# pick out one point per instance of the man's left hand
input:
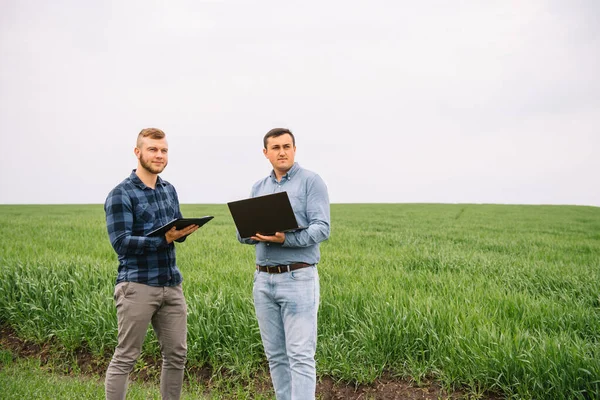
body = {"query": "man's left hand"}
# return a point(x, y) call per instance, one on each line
point(173, 234)
point(279, 237)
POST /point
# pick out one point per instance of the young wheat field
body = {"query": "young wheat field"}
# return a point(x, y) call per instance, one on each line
point(498, 298)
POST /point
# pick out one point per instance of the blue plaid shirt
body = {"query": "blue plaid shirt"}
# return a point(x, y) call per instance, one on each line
point(132, 211)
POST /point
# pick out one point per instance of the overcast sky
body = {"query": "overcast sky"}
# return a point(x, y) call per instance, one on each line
point(390, 101)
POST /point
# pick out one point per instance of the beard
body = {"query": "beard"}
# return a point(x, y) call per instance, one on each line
point(148, 166)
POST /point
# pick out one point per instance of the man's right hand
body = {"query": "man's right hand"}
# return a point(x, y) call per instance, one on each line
point(174, 233)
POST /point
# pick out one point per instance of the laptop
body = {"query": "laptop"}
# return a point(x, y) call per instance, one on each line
point(264, 214)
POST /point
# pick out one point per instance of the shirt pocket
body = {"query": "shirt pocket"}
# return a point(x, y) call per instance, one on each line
point(144, 219)
point(144, 213)
point(298, 202)
point(170, 206)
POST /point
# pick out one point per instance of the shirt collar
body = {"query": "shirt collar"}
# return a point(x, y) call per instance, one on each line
point(138, 182)
point(291, 172)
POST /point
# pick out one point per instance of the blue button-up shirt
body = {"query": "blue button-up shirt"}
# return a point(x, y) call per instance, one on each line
point(310, 202)
point(132, 211)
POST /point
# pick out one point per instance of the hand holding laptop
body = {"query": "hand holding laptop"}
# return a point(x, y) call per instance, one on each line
point(279, 237)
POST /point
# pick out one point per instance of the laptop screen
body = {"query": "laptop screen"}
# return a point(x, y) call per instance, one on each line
point(263, 214)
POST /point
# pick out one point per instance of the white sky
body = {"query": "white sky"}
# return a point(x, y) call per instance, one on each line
point(390, 101)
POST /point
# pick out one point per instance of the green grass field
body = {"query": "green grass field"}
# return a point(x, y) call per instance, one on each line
point(500, 298)
point(27, 379)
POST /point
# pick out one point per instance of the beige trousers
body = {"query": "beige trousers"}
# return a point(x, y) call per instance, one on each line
point(138, 305)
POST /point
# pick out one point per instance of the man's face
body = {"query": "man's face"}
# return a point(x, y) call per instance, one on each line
point(281, 152)
point(153, 154)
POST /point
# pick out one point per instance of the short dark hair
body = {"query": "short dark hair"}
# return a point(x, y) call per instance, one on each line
point(275, 132)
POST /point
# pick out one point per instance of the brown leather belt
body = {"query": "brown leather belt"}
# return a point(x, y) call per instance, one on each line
point(278, 269)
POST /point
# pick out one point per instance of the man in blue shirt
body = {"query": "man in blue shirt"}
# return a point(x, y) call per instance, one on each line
point(286, 282)
point(148, 288)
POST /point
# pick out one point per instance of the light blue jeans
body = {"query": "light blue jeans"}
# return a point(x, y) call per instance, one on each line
point(286, 307)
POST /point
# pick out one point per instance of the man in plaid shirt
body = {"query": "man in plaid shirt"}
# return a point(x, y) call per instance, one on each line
point(148, 288)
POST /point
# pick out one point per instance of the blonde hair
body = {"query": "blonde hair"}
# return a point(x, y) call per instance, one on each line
point(152, 133)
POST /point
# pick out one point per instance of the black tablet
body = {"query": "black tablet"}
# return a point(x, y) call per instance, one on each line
point(180, 223)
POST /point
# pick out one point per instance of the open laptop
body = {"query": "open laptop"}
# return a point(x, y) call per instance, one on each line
point(264, 214)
